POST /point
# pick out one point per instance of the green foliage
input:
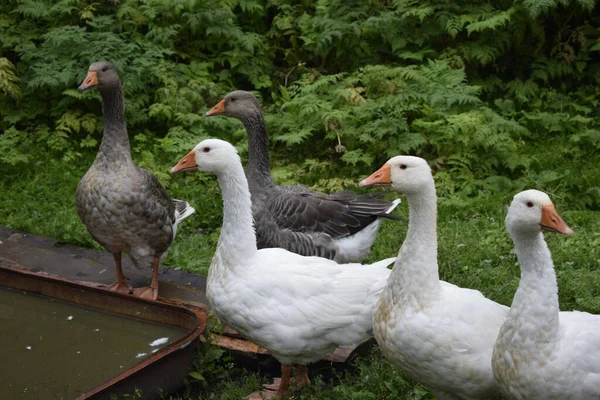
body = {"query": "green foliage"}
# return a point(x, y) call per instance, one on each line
point(10, 145)
point(474, 87)
point(375, 379)
point(537, 7)
point(9, 81)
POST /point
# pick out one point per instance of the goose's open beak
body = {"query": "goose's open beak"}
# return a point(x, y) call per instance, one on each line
point(187, 163)
point(552, 222)
point(91, 80)
point(218, 109)
point(381, 177)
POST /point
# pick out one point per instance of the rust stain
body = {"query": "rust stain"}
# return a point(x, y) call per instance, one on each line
point(237, 344)
point(231, 340)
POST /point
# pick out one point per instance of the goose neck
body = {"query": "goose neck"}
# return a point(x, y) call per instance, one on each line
point(237, 242)
point(114, 140)
point(259, 166)
point(414, 278)
point(535, 304)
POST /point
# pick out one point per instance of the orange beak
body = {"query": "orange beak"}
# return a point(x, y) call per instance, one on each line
point(218, 109)
point(187, 163)
point(381, 177)
point(91, 80)
point(552, 222)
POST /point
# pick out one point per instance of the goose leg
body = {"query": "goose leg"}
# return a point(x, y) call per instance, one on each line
point(121, 285)
point(302, 376)
point(278, 389)
point(150, 292)
point(286, 374)
point(300, 380)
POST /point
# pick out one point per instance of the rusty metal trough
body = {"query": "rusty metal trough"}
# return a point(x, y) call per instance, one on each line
point(162, 371)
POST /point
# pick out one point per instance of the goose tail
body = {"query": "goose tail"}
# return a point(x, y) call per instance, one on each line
point(385, 263)
point(394, 205)
point(182, 209)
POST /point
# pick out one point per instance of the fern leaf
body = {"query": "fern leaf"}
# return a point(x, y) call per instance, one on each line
point(9, 81)
point(498, 20)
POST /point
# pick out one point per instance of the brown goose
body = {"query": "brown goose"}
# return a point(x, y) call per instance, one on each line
point(339, 226)
point(125, 208)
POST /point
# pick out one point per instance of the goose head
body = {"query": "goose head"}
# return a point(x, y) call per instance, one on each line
point(238, 104)
point(102, 75)
point(211, 155)
point(407, 174)
point(532, 211)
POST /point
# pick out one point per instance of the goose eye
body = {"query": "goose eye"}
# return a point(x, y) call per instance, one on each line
point(403, 166)
point(529, 204)
point(232, 99)
point(206, 149)
point(104, 69)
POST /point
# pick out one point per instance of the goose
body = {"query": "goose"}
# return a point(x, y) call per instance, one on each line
point(439, 334)
point(340, 226)
point(123, 207)
point(542, 353)
point(298, 307)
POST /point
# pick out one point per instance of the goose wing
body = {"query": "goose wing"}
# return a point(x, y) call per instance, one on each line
point(311, 298)
point(338, 214)
point(154, 203)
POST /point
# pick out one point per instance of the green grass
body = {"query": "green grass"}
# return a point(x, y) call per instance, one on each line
point(474, 252)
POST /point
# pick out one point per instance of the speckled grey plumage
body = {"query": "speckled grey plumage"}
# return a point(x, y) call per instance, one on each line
point(295, 217)
point(125, 208)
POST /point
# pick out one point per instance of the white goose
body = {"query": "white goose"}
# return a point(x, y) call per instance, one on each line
point(439, 334)
point(542, 353)
point(299, 308)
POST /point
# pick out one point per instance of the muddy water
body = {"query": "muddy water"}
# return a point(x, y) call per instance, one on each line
point(55, 350)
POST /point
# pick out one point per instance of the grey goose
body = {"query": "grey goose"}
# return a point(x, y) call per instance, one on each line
point(125, 208)
point(339, 226)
